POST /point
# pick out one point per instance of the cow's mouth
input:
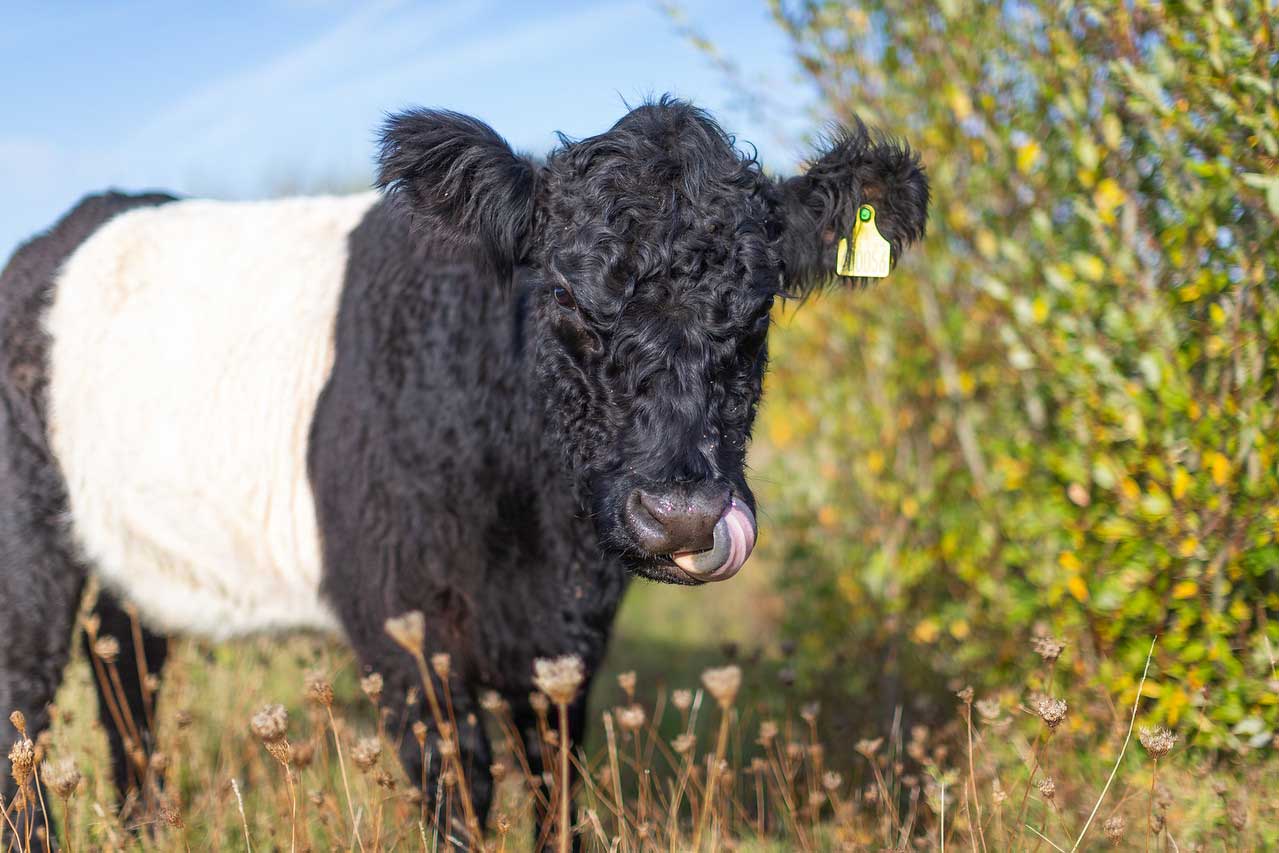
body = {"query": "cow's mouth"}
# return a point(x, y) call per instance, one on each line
point(734, 540)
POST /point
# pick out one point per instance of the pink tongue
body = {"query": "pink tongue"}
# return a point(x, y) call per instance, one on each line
point(734, 541)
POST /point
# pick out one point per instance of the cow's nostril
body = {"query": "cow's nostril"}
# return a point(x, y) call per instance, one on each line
point(677, 519)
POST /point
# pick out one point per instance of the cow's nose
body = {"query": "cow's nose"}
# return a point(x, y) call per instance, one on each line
point(678, 518)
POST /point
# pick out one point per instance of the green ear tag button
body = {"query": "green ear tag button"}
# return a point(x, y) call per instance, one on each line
point(866, 254)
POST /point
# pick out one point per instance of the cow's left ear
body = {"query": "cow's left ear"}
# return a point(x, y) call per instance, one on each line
point(461, 182)
point(855, 169)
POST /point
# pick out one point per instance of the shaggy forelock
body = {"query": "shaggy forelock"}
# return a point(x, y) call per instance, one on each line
point(663, 194)
point(659, 227)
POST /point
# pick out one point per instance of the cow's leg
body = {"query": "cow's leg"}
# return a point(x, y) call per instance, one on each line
point(527, 724)
point(405, 703)
point(40, 587)
point(126, 689)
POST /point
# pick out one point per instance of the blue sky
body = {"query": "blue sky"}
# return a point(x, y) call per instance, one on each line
point(237, 99)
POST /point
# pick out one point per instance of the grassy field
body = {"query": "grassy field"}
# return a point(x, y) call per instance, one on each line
point(1027, 773)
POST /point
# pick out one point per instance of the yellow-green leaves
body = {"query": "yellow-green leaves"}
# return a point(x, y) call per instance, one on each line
point(1064, 411)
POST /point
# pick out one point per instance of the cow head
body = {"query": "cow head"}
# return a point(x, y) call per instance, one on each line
point(655, 252)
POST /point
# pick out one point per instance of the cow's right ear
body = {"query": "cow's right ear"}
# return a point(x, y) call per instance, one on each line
point(461, 182)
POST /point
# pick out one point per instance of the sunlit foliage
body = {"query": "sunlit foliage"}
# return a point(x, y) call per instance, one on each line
point(1060, 413)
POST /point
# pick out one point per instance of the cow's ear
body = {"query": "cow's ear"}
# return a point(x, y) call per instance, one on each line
point(854, 168)
point(461, 182)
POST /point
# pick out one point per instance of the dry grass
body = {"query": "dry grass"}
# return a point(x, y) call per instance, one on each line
point(1037, 767)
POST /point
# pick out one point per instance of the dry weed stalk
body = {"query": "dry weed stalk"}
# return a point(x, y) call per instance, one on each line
point(409, 631)
point(560, 679)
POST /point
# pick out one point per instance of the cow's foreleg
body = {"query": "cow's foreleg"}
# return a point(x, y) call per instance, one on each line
point(127, 680)
point(441, 739)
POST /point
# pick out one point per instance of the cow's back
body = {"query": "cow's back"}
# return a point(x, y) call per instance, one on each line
point(188, 344)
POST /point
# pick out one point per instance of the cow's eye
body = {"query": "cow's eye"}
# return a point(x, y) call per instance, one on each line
point(564, 297)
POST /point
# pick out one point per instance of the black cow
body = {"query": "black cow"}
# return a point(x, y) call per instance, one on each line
point(492, 393)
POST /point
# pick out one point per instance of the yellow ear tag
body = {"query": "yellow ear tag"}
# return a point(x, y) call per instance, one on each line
point(870, 255)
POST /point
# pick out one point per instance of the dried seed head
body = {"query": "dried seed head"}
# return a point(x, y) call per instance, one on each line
point(540, 704)
point(816, 800)
point(723, 683)
point(1048, 788)
point(183, 719)
point(1048, 648)
point(366, 752)
point(319, 690)
point(409, 630)
point(151, 683)
point(19, 722)
point(998, 794)
point(383, 779)
point(759, 766)
point(280, 750)
point(989, 708)
point(1051, 711)
point(372, 685)
point(271, 723)
point(106, 648)
point(767, 732)
point(966, 695)
point(682, 699)
point(831, 780)
point(684, 743)
point(808, 713)
point(442, 664)
point(497, 771)
point(794, 750)
point(169, 814)
point(22, 758)
point(1114, 828)
point(419, 732)
point(63, 777)
point(492, 701)
point(448, 747)
point(1157, 741)
point(626, 681)
point(868, 748)
point(559, 678)
point(631, 718)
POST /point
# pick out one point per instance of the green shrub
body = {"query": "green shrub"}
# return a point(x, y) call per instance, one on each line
point(1059, 414)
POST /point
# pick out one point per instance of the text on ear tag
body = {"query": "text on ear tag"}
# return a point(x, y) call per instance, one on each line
point(867, 254)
